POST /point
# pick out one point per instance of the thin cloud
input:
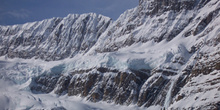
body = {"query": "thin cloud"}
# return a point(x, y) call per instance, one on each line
point(19, 14)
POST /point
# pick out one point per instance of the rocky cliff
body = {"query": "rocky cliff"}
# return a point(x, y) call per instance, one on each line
point(52, 39)
point(163, 52)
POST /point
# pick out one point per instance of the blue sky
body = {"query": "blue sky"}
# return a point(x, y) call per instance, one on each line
point(22, 11)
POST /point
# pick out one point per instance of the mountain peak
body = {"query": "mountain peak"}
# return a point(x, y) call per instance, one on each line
point(45, 39)
point(163, 53)
point(160, 6)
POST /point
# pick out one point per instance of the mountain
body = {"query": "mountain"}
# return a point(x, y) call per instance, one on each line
point(53, 39)
point(162, 53)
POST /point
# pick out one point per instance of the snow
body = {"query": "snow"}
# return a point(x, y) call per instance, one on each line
point(16, 99)
point(168, 96)
point(145, 53)
point(199, 92)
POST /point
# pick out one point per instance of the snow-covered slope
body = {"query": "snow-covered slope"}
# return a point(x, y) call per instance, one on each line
point(53, 39)
point(161, 54)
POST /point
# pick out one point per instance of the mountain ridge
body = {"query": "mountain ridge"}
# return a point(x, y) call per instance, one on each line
point(160, 53)
point(37, 39)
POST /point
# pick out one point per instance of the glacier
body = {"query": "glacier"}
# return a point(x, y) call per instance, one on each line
point(159, 55)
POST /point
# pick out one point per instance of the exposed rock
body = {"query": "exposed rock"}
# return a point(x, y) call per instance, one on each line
point(44, 84)
point(45, 39)
point(152, 90)
point(119, 87)
point(58, 108)
point(62, 85)
point(205, 67)
point(163, 52)
point(152, 7)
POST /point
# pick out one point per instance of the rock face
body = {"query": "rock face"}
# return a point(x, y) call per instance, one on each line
point(163, 19)
point(52, 39)
point(163, 52)
point(118, 87)
point(160, 6)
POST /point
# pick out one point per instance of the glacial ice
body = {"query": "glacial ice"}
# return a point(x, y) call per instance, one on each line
point(147, 53)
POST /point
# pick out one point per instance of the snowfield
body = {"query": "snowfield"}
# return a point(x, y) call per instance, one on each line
point(18, 97)
point(159, 55)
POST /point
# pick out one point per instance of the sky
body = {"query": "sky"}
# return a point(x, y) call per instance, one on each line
point(22, 11)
